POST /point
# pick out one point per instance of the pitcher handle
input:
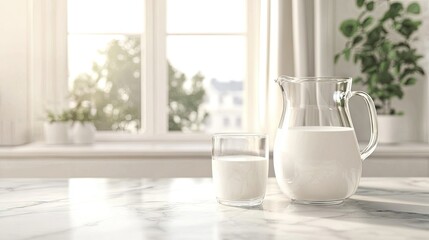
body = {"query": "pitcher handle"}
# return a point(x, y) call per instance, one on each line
point(373, 124)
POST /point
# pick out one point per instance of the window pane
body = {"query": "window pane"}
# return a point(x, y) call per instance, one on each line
point(206, 76)
point(85, 50)
point(105, 70)
point(104, 60)
point(105, 16)
point(196, 16)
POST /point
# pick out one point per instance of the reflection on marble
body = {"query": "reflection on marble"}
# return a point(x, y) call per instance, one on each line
point(383, 208)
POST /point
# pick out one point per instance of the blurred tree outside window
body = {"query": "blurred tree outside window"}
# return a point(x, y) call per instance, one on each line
point(114, 87)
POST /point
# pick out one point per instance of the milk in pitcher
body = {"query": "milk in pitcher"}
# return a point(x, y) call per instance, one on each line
point(319, 163)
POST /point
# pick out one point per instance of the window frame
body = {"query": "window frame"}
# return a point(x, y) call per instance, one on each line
point(154, 68)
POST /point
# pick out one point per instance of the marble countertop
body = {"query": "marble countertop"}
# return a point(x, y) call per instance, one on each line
point(382, 208)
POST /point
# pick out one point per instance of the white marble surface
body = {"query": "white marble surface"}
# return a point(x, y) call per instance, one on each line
point(382, 208)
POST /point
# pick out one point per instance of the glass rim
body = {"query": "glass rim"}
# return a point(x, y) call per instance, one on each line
point(323, 79)
point(238, 135)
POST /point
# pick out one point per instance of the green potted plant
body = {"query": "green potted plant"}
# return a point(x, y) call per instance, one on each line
point(56, 127)
point(383, 48)
point(83, 111)
point(83, 130)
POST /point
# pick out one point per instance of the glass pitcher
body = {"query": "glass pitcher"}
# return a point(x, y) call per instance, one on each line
point(316, 153)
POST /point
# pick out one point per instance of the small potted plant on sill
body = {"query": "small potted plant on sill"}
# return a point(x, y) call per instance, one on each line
point(388, 61)
point(83, 129)
point(56, 127)
point(82, 99)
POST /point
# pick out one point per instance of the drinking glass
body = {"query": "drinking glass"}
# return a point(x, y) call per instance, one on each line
point(240, 168)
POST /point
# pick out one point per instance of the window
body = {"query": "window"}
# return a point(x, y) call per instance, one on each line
point(160, 67)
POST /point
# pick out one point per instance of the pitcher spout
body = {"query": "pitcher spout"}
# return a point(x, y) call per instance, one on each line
point(281, 79)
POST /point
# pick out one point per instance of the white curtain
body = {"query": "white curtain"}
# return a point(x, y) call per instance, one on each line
point(15, 71)
point(286, 47)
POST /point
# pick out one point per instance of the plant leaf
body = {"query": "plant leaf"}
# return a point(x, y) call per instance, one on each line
point(371, 69)
point(356, 58)
point(394, 90)
point(370, 6)
point(405, 72)
point(337, 56)
point(367, 22)
point(393, 11)
point(369, 62)
point(385, 77)
point(384, 66)
point(408, 27)
point(349, 27)
point(360, 3)
point(373, 36)
point(373, 80)
point(413, 8)
point(396, 7)
point(347, 52)
point(402, 44)
point(410, 81)
point(420, 70)
point(357, 40)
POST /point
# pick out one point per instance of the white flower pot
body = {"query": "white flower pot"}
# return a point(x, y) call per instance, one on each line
point(390, 129)
point(57, 133)
point(83, 133)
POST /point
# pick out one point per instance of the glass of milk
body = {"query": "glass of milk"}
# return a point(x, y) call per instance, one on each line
point(240, 168)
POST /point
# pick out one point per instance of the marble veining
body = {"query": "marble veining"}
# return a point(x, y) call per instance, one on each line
point(382, 208)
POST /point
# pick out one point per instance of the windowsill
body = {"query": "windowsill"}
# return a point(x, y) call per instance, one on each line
point(108, 150)
point(169, 150)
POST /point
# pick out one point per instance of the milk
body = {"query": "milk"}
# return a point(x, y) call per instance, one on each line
point(317, 163)
point(239, 178)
